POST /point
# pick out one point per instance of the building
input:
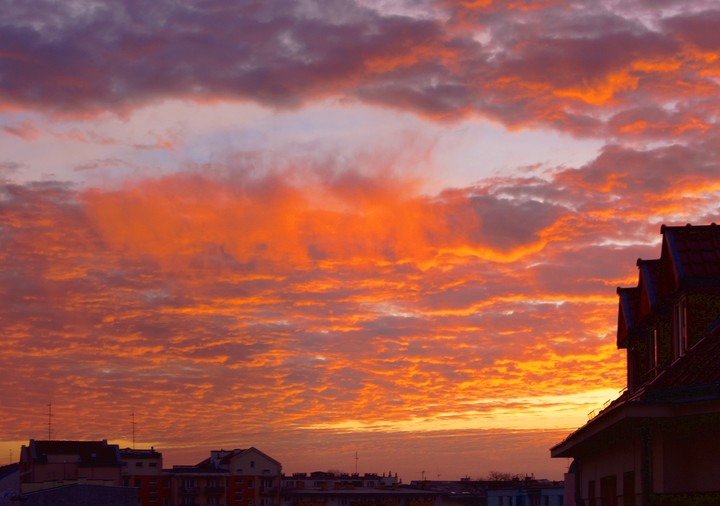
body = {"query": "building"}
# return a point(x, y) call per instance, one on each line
point(49, 464)
point(9, 483)
point(527, 492)
point(340, 489)
point(320, 480)
point(79, 494)
point(657, 443)
point(142, 470)
point(240, 477)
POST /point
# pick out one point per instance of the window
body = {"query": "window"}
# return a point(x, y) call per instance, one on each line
point(629, 488)
point(153, 498)
point(252, 463)
point(655, 350)
point(608, 490)
point(138, 483)
point(138, 464)
point(251, 484)
point(152, 464)
point(153, 480)
point(680, 324)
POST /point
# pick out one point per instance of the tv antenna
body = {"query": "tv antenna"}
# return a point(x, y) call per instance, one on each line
point(356, 463)
point(133, 428)
point(50, 415)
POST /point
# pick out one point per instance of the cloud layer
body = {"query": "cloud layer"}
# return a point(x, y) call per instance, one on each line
point(630, 70)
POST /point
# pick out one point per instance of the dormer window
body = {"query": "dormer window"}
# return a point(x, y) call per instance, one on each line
point(680, 334)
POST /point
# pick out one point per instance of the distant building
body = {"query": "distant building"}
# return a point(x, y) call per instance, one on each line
point(320, 480)
point(79, 494)
point(142, 470)
point(464, 492)
point(9, 483)
point(527, 493)
point(657, 444)
point(241, 477)
point(49, 464)
point(518, 491)
point(340, 489)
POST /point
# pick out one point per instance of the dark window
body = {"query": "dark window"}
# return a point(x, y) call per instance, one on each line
point(629, 488)
point(608, 491)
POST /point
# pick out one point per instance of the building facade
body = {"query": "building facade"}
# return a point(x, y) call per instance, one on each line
point(240, 477)
point(142, 470)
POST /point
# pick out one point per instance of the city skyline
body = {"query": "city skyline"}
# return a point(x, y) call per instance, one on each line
point(326, 227)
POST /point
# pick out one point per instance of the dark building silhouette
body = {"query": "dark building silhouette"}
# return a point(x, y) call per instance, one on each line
point(658, 443)
point(49, 464)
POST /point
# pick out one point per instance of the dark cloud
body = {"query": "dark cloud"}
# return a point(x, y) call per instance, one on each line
point(569, 67)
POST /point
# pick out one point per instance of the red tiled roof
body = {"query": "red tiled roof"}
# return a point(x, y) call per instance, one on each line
point(695, 251)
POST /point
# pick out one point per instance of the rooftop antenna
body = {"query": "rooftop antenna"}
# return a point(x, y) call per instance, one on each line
point(356, 462)
point(50, 415)
point(133, 428)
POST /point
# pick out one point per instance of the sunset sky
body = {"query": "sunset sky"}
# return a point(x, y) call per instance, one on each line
point(322, 227)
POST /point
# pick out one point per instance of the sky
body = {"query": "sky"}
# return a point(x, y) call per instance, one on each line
point(328, 228)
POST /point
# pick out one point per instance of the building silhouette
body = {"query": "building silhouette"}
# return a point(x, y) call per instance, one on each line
point(658, 444)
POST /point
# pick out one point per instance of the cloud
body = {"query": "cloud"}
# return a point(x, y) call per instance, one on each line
point(329, 297)
point(571, 67)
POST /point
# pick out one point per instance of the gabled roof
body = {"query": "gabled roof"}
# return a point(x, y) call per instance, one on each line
point(694, 251)
point(91, 453)
point(629, 302)
point(237, 452)
point(649, 284)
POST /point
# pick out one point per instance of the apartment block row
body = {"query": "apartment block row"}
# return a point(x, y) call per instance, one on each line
point(77, 473)
point(86, 469)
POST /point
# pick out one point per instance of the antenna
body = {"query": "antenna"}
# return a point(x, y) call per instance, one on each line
point(50, 415)
point(356, 462)
point(133, 428)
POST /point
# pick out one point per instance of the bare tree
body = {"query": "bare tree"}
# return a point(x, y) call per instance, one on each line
point(499, 476)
